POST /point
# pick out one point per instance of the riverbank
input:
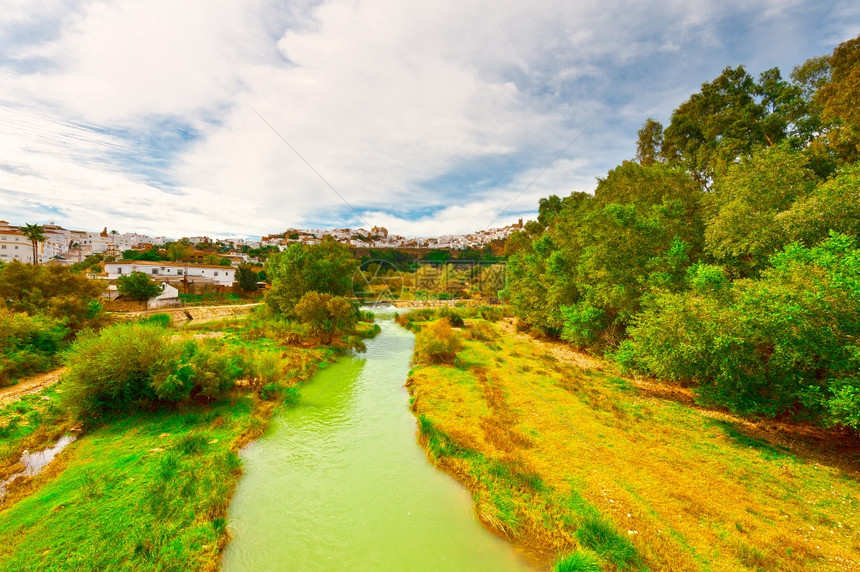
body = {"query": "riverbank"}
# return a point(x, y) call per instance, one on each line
point(149, 490)
point(563, 456)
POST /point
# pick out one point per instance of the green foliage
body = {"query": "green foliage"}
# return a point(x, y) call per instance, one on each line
point(51, 290)
point(246, 276)
point(438, 343)
point(744, 229)
point(785, 342)
point(28, 344)
point(326, 315)
point(326, 268)
point(138, 286)
point(137, 365)
point(150, 255)
point(163, 320)
point(579, 561)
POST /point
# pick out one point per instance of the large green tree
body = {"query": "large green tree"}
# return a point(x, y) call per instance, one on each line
point(839, 100)
point(246, 276)
point(743, 228)
point(729, 118)
point(327, 268)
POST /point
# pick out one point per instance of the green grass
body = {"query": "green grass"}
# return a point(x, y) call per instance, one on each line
point(564, 456)
point(140, 493)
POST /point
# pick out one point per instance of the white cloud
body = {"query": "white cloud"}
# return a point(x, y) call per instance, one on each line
point(382, 97)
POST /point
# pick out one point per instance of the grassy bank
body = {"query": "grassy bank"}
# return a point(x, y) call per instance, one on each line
point(571, 460)
point(148, 490)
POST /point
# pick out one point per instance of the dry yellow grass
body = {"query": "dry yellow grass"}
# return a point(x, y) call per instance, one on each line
point(692, 489)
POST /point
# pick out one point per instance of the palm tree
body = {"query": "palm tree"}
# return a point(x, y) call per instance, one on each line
point(36, 234)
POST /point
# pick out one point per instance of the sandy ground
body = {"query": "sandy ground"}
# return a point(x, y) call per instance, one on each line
point(28, 385)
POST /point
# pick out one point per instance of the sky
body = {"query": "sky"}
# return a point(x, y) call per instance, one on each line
point(244, 118)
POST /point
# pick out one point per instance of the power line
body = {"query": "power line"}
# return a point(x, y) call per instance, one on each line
point(544, 170)
point(323, 179)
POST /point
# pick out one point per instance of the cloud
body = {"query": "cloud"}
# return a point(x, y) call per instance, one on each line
point(425, 117)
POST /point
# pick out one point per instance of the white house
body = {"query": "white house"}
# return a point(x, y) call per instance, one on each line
point(168, 298)
point(220, 275)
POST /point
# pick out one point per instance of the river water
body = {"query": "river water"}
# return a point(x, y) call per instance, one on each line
point(339, 482)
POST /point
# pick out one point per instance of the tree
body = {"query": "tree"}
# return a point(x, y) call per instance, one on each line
point(834, 206)
point(138, 286)
point(743, 230)
point(649, 142)
point(729, 118)
point(326, 267)
point(36, 234)
point(327, 315)
point(784, 342)
point(180, 251)
point(839, 99)
point(52, 290)
point(246, 276)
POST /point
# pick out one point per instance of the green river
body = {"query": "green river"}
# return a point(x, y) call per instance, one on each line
point(339, 481)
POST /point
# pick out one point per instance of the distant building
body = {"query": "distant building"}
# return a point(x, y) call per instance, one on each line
point(220, 275)
point(15, 246)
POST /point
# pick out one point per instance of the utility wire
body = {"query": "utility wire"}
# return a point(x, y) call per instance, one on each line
point(539, 175)
point(323, 179)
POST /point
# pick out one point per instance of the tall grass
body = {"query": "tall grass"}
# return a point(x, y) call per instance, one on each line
point(579, 561)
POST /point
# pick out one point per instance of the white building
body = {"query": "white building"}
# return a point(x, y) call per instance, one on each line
point(220, 275)
point(16, 246)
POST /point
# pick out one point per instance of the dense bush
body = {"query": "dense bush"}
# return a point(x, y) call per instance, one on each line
point(708, 260)
point(138, 365)
point(28, 344)
point(438, 343)
point(327, 316)
point(54, 291)
point(787, 341)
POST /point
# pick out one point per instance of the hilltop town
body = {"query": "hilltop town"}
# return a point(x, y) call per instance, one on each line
point(68, 246)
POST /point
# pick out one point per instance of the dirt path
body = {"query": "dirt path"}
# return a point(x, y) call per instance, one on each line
point(28, 385)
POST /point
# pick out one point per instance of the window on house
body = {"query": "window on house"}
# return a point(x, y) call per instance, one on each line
point(216, 273)
point(155, 270)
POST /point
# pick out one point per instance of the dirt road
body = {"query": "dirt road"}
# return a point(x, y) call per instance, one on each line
point(28, 385)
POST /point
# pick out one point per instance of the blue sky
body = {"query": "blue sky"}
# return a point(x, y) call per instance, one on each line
point(426, 117)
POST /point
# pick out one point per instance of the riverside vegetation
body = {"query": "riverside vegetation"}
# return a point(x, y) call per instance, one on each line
point(161, 413)
point(580, 464)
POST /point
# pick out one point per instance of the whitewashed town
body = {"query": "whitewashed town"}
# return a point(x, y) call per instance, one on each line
point(65, 246)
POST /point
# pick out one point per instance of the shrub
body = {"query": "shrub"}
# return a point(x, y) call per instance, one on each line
point(482, 332)
point(579, 561)
point(54, 291)
point(113, 370)
point(28, 344)
point(163, 320)
point(438, 343)
point(137, 365)
point(453, 316)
